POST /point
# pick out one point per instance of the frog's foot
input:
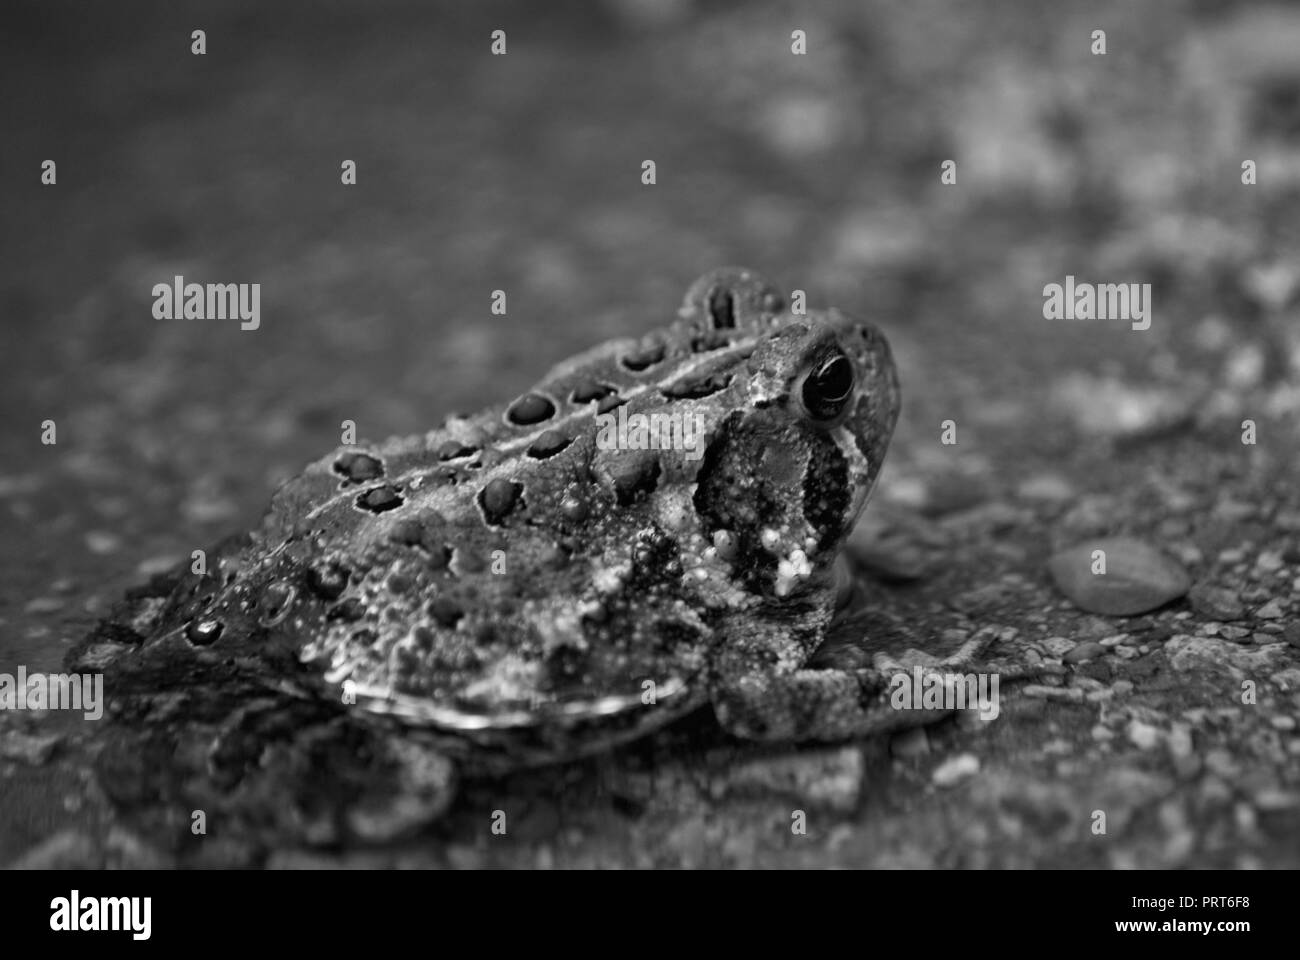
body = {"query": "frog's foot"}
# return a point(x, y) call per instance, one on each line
point(829, 705)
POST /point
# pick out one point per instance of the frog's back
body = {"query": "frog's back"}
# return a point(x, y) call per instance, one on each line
point(505, 570)
point(522, 572)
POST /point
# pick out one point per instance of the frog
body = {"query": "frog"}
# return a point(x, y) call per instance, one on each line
point(654, 528)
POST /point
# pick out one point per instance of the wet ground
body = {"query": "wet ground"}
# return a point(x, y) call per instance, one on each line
point(523, 173)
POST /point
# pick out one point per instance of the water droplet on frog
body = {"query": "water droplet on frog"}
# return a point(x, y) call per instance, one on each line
point(725, 544)
point(202, 632)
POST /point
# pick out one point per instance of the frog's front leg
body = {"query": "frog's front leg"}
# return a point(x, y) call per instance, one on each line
point(755, 698)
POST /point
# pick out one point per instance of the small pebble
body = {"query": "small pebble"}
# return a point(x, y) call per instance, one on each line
point(1216, 602)
point(33, 749)
point(1083, 652)
point(1060, 694)
point(1269, 561)
point(1273, 798)
point(97, 541)
point(1059, 646)
point(1220, 762)
point(1270, 611)
point(1143, 735)
point(156, 565)
point(1138, 577)
point(44, 605)
point(955, 769)
point(1180, 740)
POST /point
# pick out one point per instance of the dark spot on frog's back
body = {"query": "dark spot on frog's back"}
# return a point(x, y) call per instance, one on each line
point(359, 467)
point(529, 409)
point(611, 402)
point(454, 450)
point(499, 499)
point(548, 445)
point(379, 499)
point(644, 357)
point(446, 613)
point(589, 390)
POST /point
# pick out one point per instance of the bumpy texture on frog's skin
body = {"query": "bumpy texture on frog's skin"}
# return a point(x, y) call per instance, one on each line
point(506, 589)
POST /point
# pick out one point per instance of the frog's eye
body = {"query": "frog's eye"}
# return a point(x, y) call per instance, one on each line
point(827, 387)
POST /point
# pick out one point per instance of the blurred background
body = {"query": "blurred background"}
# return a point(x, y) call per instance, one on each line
point(523, 173)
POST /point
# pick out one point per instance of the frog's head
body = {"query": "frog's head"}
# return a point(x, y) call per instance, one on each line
point(788, 472)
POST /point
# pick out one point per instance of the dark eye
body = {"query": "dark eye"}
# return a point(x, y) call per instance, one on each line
point(827, 387)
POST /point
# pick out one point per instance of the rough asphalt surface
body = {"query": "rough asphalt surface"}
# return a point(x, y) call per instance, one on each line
point(522, 173)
